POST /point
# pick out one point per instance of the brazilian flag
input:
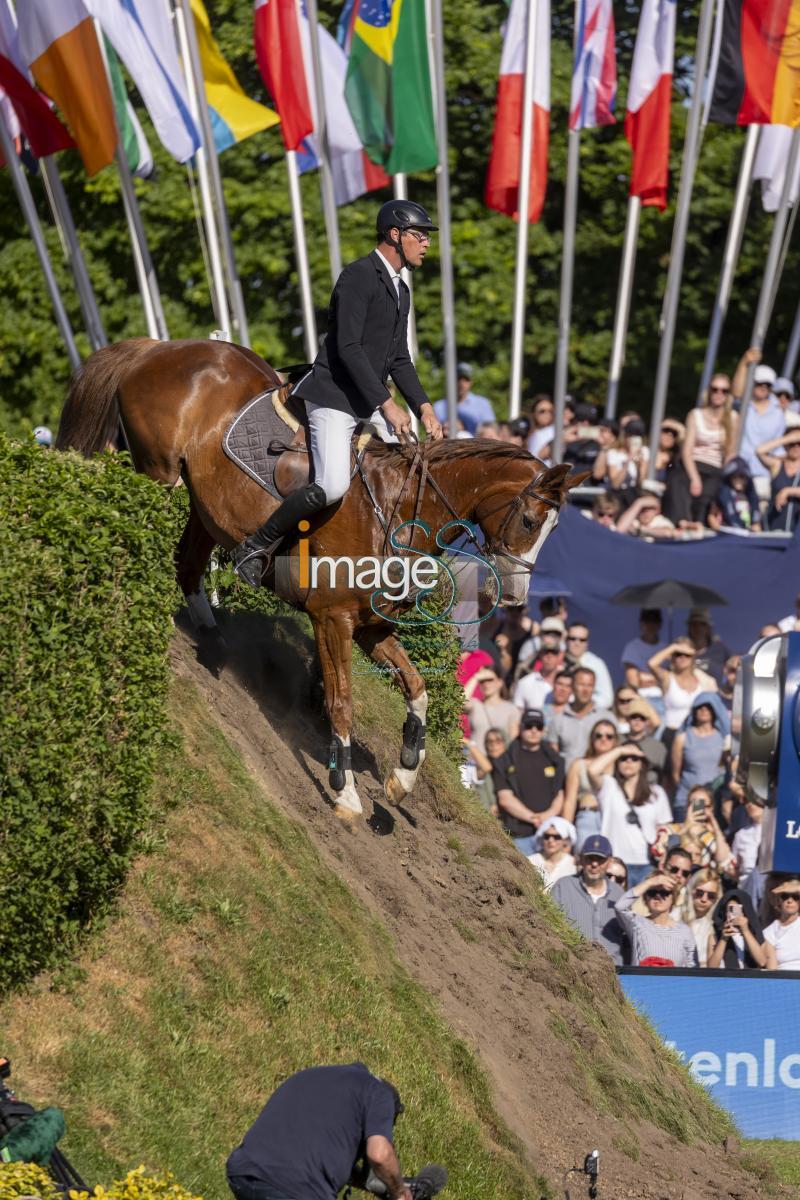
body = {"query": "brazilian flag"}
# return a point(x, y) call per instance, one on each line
point(388, 88)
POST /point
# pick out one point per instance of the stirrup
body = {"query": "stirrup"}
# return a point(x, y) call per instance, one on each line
point(251, 564)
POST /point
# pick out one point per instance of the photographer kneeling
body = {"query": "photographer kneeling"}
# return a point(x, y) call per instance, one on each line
point(307, 1141)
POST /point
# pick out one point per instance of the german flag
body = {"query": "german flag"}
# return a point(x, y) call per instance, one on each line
point(757, 77)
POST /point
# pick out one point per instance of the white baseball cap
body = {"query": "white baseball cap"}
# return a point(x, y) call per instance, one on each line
point(764, 374)
point(43, 435)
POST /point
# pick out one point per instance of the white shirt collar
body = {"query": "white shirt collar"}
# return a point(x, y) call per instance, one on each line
point(392, 273)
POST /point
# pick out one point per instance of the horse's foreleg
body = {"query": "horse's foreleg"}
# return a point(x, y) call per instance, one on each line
point(387, 651)
point(333, 633)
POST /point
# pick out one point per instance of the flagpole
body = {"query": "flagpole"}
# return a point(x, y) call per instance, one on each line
point(146, 278)
point(733, 246)
point(400, 188)
point(793, 349)
point(768, 283)
point(193, 66)
point(329, 209)
point(523, 204)
point(301, 251)
point(691, 147)
point(567, 274)
point(62, 216)
point(219, 298)
point(28, 207)
point(443, 212)
point(623, 310)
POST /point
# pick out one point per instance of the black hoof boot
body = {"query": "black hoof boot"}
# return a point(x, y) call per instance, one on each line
point(338, 763)
point(413, 741)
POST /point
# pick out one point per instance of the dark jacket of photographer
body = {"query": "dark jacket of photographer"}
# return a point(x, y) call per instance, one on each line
point(534, 776)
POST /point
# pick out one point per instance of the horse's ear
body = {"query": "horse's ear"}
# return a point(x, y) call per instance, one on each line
point(553, 478)
point(574, 481)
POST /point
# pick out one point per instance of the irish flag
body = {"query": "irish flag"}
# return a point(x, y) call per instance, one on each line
point(59, 44)
point(502, 181)
point(649, 95)
point(388, 86)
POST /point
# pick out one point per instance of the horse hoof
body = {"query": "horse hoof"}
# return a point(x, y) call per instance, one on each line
point(394, 788)
point(212, 650)
point(348, 804)
point(347, 817)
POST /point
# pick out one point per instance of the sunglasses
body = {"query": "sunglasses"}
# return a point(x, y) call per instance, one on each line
point(421, 237)
point(657, 894)
point(616, 878)
point(625, 699)
point(701, 892)
point(683, 654)
point(551, 837)
point(572, 637)
point(682, 871)
point(724, 390)
point(604, 737)
point(789, 896)
point(788, 395)
point(631, 758)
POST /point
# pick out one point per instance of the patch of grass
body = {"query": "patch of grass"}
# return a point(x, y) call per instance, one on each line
point(773, 1159)
point(235, 959)
point(463, 930)
point(459, 850)
point(490, 850)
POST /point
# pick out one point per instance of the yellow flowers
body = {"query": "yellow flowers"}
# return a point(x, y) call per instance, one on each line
point(18, 1180)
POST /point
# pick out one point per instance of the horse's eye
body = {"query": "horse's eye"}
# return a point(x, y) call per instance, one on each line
point(528, 522)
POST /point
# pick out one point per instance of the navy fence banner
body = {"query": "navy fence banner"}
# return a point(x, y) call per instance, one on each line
point(739, 1032)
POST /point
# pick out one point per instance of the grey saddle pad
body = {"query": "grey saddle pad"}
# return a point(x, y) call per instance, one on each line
point(255, 429)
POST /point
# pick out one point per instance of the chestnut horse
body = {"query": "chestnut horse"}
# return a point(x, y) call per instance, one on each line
point(175, 401)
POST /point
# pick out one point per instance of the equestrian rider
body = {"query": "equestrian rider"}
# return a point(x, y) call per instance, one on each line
point(367, 341)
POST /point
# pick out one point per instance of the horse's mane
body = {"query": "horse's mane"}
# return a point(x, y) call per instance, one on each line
point(449, 450)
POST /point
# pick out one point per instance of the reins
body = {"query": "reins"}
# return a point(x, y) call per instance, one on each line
point(419, 462)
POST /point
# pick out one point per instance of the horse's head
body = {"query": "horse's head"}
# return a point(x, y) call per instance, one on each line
point(517, 527)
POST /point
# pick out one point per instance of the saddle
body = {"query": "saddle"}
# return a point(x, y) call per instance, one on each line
point(269, 440)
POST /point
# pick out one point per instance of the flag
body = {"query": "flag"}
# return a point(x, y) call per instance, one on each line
point(279, 52)
point(756, 79)
point(388, 85)
point(283, 49)
point(134, 143)
point(770, 166)
point(234, 116)
point(649, 96)
point(502, 181)
point(141, 34)
point(42, 128)
point(59, 44)
point(594, 73)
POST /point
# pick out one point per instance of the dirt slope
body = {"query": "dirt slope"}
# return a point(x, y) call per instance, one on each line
point(571, 1068)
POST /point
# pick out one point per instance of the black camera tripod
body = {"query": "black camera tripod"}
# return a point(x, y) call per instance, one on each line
point(13, 1112)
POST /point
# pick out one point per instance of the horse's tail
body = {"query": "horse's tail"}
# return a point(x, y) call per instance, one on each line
point(90, 417)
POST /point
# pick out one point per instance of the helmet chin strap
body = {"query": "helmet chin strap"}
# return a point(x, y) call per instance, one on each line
point(398, 245)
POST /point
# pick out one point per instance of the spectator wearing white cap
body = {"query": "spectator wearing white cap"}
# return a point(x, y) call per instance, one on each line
point(552, 854)
point(784, 393)
point(472, 408)
point(43, 436)
point(763, 421)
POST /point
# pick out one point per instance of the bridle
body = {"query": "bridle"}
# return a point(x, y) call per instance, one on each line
point(487, 552)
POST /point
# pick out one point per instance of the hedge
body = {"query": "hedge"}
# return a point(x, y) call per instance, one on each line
point(23, 1181)
point(86, 601)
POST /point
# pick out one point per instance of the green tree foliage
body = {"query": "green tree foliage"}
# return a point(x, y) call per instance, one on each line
point(33, 368)
point(86, 598)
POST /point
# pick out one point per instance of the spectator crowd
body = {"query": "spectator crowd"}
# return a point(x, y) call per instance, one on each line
point(708, 475)
point(625, 799)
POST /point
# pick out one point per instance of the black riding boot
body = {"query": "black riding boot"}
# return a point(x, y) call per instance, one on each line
point(252, 556)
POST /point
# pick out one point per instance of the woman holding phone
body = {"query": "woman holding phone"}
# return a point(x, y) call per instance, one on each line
point(737, 942)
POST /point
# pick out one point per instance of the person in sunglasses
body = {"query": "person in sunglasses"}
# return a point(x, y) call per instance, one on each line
point(782, 937)
point(580, 796)
point(703, 894)
point(617, 872)
point(588, 898)
point(737, 941)
point(631, 807)
point(657, 936)
point(529, 783)
point(553, 854)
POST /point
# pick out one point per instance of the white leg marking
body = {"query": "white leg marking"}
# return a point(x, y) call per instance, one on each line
point(200, 611)
point(403, 779)
point(348, 799)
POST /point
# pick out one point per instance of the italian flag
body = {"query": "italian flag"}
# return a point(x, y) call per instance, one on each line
point(502, 180)
point(649, 97)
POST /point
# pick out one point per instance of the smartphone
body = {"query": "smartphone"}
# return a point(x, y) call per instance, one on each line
point(635, 444)
point(735, 910)
point(698, 808)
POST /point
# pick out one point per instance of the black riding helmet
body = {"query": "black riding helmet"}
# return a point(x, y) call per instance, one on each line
point(402, 215)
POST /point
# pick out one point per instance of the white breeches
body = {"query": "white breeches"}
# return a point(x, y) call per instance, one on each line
point(331, 433)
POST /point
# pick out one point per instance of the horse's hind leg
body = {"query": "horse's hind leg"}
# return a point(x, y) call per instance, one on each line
point(333, 632)
point(386, 650)
point(191, 558)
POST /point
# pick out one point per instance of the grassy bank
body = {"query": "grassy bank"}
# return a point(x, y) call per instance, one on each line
point(237, 957)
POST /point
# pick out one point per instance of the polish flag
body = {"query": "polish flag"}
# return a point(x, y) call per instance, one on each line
point(502, 180)
point(649, 95)
point(594, 74)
